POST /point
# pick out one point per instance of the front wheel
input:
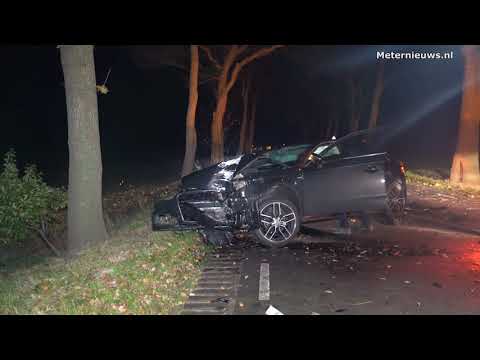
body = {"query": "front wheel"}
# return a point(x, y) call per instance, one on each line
point(279, 223)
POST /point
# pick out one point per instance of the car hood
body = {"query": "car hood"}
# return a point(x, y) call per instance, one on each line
point(217, 177)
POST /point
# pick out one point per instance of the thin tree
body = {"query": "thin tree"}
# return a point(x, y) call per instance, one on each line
point(377, 95)
point(246, 85)
point(191, 132)
point(355, 103)
point(85, 223)
point(235, 58)
point(465, 166)
point(251, 123)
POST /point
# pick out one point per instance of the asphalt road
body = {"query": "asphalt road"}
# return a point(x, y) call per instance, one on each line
point(417, 268)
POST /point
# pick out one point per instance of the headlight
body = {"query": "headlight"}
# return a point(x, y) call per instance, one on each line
point(239, 184)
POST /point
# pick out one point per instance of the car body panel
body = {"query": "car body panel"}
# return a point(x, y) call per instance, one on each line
point(226, 196)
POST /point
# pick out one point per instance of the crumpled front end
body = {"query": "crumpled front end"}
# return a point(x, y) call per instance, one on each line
point(191, 210)
point(233, 211)
point(210, 199)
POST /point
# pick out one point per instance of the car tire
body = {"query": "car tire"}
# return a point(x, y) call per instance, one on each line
point(280, 222)
point(396, 202)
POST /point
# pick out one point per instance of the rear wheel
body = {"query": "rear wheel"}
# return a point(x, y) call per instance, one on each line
point(396, 201)
point(279, 223)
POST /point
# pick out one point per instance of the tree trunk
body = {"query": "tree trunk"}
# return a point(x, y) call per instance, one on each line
point(245, 119)
point(328, 132)
point(251, 126)
point(191, 132)
point(217, 129)
point(465, 166)
point(85, 221)
point(355, 106)
point(377, 95)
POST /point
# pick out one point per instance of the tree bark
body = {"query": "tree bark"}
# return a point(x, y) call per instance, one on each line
point(377, 95)
point(226, 82)
point(85, 221)
point(191, 132)
point(465, 165)
point(221, 107)
point(355, 105)
point(251, 125)
point(245, 118)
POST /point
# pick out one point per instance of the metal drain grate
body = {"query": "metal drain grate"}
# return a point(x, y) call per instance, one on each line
point(216, 289)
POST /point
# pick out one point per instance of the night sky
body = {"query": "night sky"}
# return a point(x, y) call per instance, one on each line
point(142, 118)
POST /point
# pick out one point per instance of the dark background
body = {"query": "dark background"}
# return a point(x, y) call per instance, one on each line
point(142, 119)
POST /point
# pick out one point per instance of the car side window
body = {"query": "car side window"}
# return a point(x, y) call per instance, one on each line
point(333, 152)
point(328, 153)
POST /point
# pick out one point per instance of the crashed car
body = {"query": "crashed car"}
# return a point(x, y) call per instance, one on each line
point(272, 194)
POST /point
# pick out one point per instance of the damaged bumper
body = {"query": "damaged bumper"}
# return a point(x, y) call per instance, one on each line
point(203, 209)
point(193, 210)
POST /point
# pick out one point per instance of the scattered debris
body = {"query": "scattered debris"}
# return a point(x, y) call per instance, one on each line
point(340, 310)
point(361, 303)
point(407, 282)
point(273, 311)
point(223, 299)
point(315, 313)
point(438, 285)
point(329, 291)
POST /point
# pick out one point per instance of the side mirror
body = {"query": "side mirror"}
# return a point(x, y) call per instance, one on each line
point(314, 162)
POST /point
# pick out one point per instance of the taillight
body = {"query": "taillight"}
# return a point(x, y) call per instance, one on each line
point(403, 168)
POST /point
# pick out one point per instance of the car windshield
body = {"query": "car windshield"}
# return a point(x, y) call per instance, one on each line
point(287, 155)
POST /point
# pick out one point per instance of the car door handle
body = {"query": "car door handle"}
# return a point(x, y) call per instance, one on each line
point(371, 169)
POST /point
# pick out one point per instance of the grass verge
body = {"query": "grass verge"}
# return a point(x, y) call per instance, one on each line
point(434, 179)
point(136, 272)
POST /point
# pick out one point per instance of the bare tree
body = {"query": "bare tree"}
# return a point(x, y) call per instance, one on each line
point(465, 166)
point(251, 123)
point(355, 103)
point(246, 86)
point(85, 221)
point(235, 58)
point(377, 95)
point(191, 132)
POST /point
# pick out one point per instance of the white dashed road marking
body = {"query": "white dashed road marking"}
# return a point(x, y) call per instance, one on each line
point(264, 284)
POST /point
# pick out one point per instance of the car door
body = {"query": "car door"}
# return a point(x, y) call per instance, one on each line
point(343, 183)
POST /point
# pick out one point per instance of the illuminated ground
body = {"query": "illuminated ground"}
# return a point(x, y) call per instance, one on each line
point(430, 265)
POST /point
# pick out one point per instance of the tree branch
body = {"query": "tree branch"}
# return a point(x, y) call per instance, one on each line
point(209, 54)
point(238, 66)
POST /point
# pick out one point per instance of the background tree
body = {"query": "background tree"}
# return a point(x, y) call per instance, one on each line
point(244, 128)
point(252, 119)
point(191, 132)
point(377, 96)
point(233, 59)
point(355, 103)
point(85, 221)
point(465, 167)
